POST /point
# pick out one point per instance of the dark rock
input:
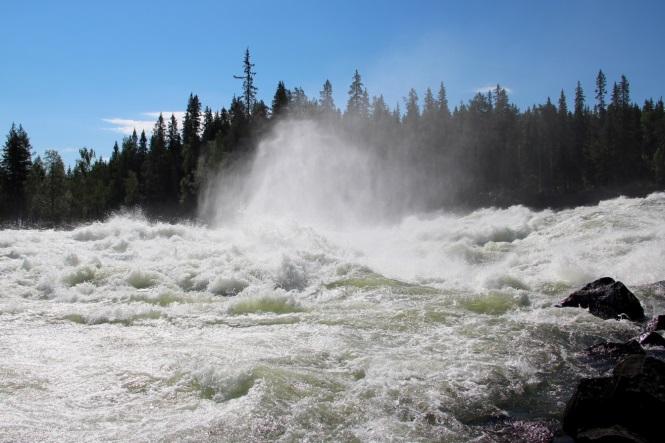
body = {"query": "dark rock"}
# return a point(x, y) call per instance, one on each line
point(614, 350)
point(613, 434)
point(606, 298)
point(652, 339)
point(620, 407)
point(656, 324)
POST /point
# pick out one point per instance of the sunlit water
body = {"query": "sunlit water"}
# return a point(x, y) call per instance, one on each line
point(128, 330)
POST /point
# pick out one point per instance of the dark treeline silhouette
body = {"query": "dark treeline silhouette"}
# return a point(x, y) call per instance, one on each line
point(486, 151)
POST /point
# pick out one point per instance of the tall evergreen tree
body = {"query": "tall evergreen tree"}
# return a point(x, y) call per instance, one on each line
point(412, 116)
point(209, 130)
point(248, 88)
point(579, 100)
point(601, 92)
point(55, 186)
point(15, 167)
point(156, 166)
point(563, 105)
point(280, 101)
point(326, 101)
point(174, 147)
point(442, 99)
point(36, 198)
point(141, 152)
point(191, 147)
point(358, 103)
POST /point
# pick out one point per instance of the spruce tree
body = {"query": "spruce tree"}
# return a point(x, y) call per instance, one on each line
point(579, 100)
point(141, 152)
point(430, 105)
point(442, 99)
point(248, 88)
point(412, 116)
point(174, 147)
point(563, 105)
point(36, 199)
point(15, 167)
point(55, 186)
point(601, 92)
point(280, 101)
point(156, 169)
point(191, 145)
point(326, 102)
point(358, 103)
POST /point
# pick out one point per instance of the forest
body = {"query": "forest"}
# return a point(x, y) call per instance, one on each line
point(486, 151)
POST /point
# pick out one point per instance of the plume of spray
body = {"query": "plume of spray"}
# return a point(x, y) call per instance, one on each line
point(303, 170)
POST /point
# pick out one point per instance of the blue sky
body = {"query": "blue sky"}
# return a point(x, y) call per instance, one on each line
point(72, 71)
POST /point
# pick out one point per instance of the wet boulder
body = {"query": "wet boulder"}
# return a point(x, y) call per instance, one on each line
point(652, 339)
point(606, 298)
point(614, 349)
point(656, 324)
point(520, 431)
point(621, 407)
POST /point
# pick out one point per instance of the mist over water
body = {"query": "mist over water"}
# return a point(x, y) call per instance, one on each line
point(304, 171)
point(318, 303)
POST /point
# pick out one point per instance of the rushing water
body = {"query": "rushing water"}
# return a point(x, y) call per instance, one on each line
point(126, 330)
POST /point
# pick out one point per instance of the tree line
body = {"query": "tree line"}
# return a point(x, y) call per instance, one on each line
point(484, 151)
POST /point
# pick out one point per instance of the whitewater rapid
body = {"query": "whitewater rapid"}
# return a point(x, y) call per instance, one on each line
point(274, 329)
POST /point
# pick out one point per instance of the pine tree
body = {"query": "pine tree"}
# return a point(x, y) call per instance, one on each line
point(248, 88)
point(624, 92)
point(115, 177)
point(141, 152)
point(326, 102)
point(358, 103)
point(174, 147)
point(55, 186)
point(601, 92)
point(191, 147)
point(563, 105)
point(37, 203)
point(15, 167)
point(299, 102)
point(156, 166)
point(430, 105)
point(579, 100)
point(443, 102)
point(412, 116)
point(280, 102)
point(580, 135)
point(208, 125)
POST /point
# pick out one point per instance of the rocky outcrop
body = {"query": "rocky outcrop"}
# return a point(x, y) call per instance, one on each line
point(615, 350)
point(621, 407)
point(606, 298)
point(652, 339)
point(656, 324)
point(520, 431)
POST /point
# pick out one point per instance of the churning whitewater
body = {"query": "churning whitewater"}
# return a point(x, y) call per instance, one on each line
point(306, 311)
point(126, 329)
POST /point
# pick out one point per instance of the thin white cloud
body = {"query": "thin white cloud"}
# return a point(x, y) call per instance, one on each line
point(488, 88)
point(127, 125)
